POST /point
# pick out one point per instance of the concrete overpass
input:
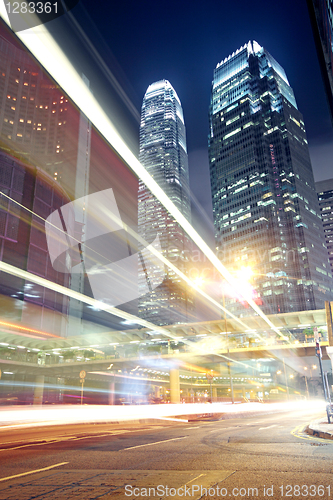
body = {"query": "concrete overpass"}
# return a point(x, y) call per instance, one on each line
point(192, 350)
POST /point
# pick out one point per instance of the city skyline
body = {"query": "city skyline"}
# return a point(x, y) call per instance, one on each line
point(187, 59)
point(263, 194)
point(93, 89)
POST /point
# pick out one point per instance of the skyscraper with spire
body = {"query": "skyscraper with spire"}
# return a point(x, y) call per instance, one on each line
point(163, 153)
point(266, 211)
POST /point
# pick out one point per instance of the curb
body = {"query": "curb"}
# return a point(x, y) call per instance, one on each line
point(312, 430)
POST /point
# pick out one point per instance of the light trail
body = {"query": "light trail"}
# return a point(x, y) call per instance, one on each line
point(20, 273)
point(65, 414)
point(31, 330)
point(15, 271)
point(152, 249)
point(45, 49)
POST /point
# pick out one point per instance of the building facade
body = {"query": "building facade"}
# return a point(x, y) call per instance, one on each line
point(36, 119)
point(163, 153)
point(266, 212)
point(321, 16)
point(27, 196)
point(48, 146)
point(325, 198)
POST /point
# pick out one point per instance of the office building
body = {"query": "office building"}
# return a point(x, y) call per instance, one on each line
point(266, 211)
point(163, 153)
point(27, 196)
point(36, 120)
point(321, 16)
point(325, 197)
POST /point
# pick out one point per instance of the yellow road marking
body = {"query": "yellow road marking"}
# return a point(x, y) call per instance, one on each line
point(194, 479)
point(33, 471)
point(295, 432)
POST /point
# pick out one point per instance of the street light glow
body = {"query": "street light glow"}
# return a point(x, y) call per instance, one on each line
point(244, 274)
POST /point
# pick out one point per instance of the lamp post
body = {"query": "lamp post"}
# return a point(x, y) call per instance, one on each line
point(319, 355)
point(306, 382)
point(210, 376)
point(285, 376)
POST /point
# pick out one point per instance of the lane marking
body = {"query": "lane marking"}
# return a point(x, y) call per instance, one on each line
point(300, 428)
point(62, 439)
point(198, 427)
point(73, 438)
point(194, 479)
point(33, 471)
point(269, 427)
point(151, 444)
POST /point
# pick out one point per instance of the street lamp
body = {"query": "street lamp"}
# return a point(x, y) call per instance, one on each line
point(198, 281)
point(244, 274)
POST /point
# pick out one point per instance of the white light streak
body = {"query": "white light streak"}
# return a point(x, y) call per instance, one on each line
point(42, 45)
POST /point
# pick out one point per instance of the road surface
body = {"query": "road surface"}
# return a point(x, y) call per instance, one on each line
point(259, 456)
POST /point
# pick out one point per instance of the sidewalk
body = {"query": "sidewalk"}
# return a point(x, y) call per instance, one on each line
point(320, 428)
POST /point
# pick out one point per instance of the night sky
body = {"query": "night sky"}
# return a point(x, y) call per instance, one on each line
point(181, 41)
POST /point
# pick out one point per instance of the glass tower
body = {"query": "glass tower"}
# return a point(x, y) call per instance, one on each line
point(321, 16)
point(266, 212)
point(325, 197)
point(163, 153)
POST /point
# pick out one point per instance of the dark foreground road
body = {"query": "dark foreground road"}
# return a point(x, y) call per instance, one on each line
point(265, 456)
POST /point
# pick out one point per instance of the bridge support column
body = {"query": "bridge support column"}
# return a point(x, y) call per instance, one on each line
point(329, 350)
point(214, 394)
point(112, 393)
point(39, 390)
point(174, 386)
point(329, 321)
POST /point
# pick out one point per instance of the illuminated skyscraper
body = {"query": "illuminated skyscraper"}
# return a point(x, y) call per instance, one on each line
point(321, 15)
point(163, 153)
point(325, 197)
point(266, 211)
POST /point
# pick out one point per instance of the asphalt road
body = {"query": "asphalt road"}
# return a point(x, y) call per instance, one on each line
point(262, 456)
